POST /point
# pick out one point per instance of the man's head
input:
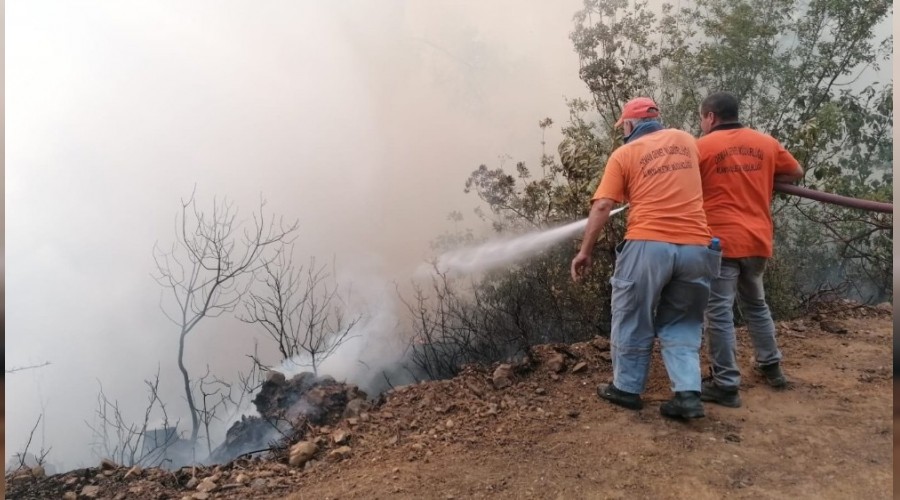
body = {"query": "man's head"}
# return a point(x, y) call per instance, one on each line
point(635, 111)
point(716, 109)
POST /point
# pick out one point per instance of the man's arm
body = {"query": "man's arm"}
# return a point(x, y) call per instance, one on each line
point(790, 177)
point(597, 218)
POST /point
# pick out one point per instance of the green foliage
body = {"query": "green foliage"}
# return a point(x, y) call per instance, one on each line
point(802, 71)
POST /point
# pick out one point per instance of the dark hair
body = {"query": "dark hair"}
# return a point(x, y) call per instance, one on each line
point(722, 104)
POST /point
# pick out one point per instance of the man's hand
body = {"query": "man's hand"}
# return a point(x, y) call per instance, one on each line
point(580, 265)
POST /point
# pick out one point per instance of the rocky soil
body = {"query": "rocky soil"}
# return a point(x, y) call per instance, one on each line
point(537, 429)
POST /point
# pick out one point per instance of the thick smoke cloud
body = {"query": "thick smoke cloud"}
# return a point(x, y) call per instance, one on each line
point(360, 119)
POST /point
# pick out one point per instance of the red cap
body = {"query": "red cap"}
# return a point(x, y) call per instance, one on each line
point(641, 107)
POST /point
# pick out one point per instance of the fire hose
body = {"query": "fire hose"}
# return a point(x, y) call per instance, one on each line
point(835, 199)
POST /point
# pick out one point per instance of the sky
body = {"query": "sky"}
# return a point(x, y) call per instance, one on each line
point(361, 120)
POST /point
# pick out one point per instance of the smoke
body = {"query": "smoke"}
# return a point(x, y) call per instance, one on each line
point(360, 119)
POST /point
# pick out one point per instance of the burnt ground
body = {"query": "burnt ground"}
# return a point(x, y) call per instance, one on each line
point(829, 435)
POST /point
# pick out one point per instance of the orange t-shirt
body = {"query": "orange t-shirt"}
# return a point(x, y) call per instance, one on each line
point(658, 175)
point(738, 166)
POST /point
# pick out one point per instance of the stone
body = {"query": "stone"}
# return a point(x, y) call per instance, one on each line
point(38, 472)
point(540, 391)
point(107, 464)
point(207, 485)
point(339, 454)
point(573, 413)
point(192, 483)
point(301, 452)
point(833, 327)
point(70, 495)
point(502, 376)
point(557, 363)
point(449, 424)
point(579, 367)
point(200, 495)
point(601, 344)
point(259, 484)
point(885, 307)
point(355, 407)
point(242, 479)
point(90, 491)
point(134, 471)
point(606, 356)
point(340, 436)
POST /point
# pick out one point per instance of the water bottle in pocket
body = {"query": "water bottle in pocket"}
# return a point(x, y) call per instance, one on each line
point(714, 257)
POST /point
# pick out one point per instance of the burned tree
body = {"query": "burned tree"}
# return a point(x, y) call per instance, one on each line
point(209, 268)
point(300, 311)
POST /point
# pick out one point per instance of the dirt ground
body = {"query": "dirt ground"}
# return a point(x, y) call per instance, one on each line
point(829, 435)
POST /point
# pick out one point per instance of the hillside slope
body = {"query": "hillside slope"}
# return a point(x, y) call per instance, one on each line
point(829, 435)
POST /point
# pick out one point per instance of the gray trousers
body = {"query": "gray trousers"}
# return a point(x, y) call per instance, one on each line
point(659, 290)
point(741, 278)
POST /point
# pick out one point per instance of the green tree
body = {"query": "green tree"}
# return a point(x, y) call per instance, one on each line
point(798, 68)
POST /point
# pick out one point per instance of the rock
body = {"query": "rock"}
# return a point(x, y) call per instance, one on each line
point(732, 438)
point(38, 472)
point(554, 377)
point(259, 484)
point(475, 390)
point(355, 407)
point(387, 415)
point(207, 485)
point(107, 464)
point(579, 367)
point(71, 481)
point(90, 491)
point(832, 326)
point(120, 496)
point(339, 454)
point(353, 421)
point(885, 307)
point(540, 391)
point(606, 356)
point(275, 377)
point(364, 417)
point(242, 479)
point(301, 452)
point(200, 495)
point(502, 376)
point(557, 363)
point(192, 483)
point(573, 413)
point(340, 436)
point(448, 424)
point(70, 495)
point(601, 344)
point(134, 471)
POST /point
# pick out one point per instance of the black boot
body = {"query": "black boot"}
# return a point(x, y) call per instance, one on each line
point(773, 375)
point(615, 396)
point(725, 396)
point(685, 404)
